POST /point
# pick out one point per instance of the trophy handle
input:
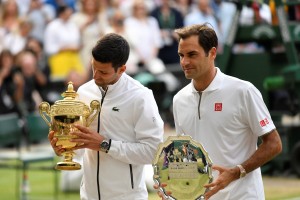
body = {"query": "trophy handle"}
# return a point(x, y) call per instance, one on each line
point(44, 108)
point(95, 107)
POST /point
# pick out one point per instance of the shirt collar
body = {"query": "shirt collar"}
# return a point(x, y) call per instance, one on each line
point(115, 85)
point(215, 84)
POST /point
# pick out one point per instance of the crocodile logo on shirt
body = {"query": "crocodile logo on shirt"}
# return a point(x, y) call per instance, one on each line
point(115, 109)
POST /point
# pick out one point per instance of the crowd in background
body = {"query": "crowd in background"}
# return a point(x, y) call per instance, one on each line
point(43, 42)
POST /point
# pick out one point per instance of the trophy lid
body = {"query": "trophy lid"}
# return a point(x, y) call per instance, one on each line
point(69, 110)
point(69, 105)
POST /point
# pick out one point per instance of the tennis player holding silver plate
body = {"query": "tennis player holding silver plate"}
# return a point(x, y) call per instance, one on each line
point(184, 165)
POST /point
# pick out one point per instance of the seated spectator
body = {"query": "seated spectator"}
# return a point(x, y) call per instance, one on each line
point(144, 36)
point(168, 19)
point(34, 79)
point(11, 86)
point(224, 12)
point(39, 15)
point(116, 25)
point(37, 48)
point(203, 13)
point(16, 41)
point(91, 20)
point(62, 45)
point(9, 16)
point(183, 6)
point(52, 92)
point(145, 39)
point(255, 12)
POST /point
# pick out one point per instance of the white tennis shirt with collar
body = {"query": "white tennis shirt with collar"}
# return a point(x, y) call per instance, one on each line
point(130, 118)
point(226, 118)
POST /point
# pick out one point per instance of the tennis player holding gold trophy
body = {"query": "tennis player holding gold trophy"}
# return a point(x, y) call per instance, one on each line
point(61, 119)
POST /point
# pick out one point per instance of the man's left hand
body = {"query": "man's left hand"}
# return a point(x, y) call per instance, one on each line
point(86, 138)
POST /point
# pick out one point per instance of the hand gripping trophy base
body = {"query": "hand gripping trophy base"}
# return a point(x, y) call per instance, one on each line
point(67, 163)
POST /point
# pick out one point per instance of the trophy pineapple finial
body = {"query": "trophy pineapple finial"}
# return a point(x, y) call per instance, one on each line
point(70, 93)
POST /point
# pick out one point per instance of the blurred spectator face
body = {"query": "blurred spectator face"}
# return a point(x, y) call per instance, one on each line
point(115, 3)
point(139, 8)
point(25, 28)
point(118, 19)
point(28, 64)
point(66, 14)
point(165, 2)
point(36, 4)
point(90, 6)
point(204, 5)
point(183, 2)
point(10, 8)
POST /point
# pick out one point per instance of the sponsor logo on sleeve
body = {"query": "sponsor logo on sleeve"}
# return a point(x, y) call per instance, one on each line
point(264, 122)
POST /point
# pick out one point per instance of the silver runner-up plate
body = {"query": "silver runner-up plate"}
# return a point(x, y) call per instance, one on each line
point(184, 165)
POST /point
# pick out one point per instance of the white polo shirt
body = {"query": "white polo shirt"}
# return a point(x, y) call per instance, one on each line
point(226, 118)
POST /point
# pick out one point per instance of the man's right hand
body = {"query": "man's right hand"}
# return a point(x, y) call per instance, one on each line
point(57, 149)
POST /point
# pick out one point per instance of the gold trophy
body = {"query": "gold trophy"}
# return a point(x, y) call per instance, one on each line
point(63, 115)
point(184, 165)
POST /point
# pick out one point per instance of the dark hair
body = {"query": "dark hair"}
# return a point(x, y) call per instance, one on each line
point(38, 41)
point(111, 48)
point(207, 37)
point(61, 9)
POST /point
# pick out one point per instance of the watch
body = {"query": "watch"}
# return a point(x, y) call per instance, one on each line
point(105, 145)
point(242, 171)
